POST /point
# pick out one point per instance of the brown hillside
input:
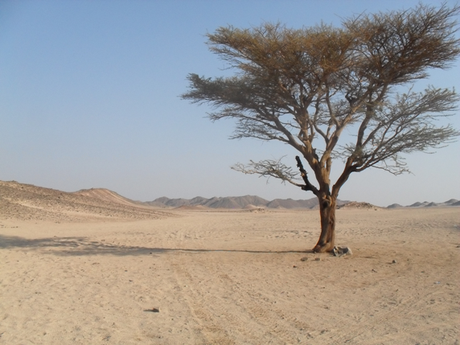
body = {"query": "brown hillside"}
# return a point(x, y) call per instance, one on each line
point(106, 195)
point(24, 201)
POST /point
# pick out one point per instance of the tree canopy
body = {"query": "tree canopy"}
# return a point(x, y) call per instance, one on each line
point(303, 87)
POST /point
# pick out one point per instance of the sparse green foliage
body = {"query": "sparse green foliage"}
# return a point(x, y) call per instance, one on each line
point(303, 87)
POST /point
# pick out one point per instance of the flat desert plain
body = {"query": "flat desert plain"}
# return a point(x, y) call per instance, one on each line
point(232, 277)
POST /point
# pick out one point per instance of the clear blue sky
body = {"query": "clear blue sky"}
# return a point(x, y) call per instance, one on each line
point(89, 97)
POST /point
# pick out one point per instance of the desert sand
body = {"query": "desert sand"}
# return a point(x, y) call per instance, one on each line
point(197, 276)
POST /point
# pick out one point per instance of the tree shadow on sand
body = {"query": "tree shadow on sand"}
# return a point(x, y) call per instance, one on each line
point(78, 246)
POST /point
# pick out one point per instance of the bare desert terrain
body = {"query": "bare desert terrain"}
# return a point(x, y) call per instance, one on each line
point(84, 268)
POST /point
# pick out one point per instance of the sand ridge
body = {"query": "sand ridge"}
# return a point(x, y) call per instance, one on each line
point(29, 202)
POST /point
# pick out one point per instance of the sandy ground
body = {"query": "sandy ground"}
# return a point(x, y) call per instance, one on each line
point(232, 277)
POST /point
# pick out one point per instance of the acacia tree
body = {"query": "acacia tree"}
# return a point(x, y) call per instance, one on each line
point(303, 87)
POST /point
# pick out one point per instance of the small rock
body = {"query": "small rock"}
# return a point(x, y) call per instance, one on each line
point(340, 251)
point(153, 310)
point(304, 258)
point(317, 259)
point(394, 261)
point(294, 266)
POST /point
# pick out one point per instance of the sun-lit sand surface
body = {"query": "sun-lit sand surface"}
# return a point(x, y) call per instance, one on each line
point(232, 277)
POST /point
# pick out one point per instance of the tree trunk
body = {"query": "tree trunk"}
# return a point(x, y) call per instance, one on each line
point(327, 206)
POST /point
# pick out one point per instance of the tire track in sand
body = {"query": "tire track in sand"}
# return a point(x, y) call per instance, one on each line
point(246, 311)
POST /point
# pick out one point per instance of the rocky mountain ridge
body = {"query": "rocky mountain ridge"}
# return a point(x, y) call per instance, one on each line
point(238, 202)
point(250, 201)
point(448, 203)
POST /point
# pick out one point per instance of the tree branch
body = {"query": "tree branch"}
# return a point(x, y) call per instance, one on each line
point(308, 186)
point(269, 168)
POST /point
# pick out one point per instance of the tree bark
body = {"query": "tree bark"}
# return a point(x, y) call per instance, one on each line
point(327, 206)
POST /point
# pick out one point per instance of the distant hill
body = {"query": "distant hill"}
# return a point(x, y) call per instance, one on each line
point(238, 202)
point(249, 201)
point(395, 206)
point(450, 202)
point(360, 205)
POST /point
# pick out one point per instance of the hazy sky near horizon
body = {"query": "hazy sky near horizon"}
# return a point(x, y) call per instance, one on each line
point(90, 97)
